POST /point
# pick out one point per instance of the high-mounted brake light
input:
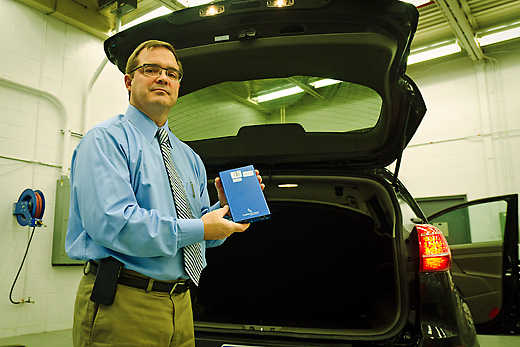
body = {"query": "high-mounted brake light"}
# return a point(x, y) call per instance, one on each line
point(434, 251)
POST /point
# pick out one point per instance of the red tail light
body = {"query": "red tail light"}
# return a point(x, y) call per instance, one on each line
point(433, 249)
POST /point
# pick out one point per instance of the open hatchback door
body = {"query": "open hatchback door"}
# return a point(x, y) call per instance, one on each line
point(343, 61)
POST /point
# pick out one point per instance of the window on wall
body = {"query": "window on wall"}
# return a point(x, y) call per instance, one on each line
point(318, 104)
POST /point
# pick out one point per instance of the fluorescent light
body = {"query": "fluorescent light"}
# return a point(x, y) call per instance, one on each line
point(499, 36)
point(433, 52)
point(161, 11)
point(277, 95)
point(417, 3)
point(191, 3)
point(325, 82)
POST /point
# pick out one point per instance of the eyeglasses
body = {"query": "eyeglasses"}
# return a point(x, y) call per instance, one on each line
point(153, 70)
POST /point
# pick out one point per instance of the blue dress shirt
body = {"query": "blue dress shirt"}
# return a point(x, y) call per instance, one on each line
point(121, 204)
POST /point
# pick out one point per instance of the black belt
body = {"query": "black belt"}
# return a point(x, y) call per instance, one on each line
point(146, 283)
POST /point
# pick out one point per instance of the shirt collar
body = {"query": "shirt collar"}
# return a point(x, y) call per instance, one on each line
point(142, 122)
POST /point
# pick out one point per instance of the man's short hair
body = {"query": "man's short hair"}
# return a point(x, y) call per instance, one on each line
point(133, 62)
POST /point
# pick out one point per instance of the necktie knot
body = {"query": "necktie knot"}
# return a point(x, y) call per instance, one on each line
point(162, 136)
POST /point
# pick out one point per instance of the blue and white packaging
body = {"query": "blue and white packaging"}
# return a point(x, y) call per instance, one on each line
point(244, 195)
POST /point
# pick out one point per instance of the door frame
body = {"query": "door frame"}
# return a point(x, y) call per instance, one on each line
point(510, 311)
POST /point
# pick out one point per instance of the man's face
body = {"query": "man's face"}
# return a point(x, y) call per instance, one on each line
point(154, 96)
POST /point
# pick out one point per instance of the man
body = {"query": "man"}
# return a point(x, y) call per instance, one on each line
point(123, 212)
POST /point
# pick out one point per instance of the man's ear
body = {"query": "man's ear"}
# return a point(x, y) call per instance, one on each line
point(128, 82)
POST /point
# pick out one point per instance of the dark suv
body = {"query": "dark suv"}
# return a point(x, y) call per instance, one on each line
point(314, 94)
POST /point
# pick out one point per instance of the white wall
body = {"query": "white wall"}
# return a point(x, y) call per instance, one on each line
point(459, 148)
point(469, 140)
point(42, 52)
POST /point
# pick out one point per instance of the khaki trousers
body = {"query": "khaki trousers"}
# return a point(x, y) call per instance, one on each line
point(136, 318)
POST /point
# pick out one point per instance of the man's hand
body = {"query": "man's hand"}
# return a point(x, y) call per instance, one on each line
point(216, 227)
point(220, 189)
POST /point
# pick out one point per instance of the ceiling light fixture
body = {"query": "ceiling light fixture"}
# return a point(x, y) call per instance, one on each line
point(192, 3)
point(496, 35)
point(418, 3)
point(433, 52)
point(161, 11)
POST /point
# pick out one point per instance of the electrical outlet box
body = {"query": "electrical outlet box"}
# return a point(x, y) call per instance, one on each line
point(61, 220)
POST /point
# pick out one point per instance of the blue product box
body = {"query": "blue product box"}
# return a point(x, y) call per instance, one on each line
point(244, 195)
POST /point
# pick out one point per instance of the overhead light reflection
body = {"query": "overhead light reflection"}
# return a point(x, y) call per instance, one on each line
point(278, 94)
point(294, 90)
point(324, 83)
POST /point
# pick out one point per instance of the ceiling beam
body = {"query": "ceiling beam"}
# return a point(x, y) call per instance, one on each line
point(460, 24)
point(247, 102)
point(307, 88)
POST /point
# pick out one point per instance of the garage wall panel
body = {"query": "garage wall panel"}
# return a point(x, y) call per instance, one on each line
point(466, 145)
point(40, 51)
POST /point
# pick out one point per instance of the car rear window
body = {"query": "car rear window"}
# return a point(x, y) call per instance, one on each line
point(317, 104)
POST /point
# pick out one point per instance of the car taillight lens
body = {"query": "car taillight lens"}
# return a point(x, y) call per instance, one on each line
point(433, 249)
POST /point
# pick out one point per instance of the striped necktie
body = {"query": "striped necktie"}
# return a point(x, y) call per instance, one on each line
point(193, 263)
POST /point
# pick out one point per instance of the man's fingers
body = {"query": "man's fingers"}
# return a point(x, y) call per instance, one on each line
point(223, 210)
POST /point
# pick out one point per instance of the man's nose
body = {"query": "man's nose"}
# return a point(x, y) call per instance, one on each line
point(161, 77)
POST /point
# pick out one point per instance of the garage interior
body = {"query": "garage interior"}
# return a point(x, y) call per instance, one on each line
point(56, 84)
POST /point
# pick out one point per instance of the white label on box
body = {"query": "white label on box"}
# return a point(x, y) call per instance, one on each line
point(236, 174)
point(248, 173)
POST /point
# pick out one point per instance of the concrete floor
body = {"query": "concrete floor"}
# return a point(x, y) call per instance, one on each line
point(63, 338)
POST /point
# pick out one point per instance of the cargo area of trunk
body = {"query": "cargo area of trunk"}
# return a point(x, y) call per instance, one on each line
point(325, 260)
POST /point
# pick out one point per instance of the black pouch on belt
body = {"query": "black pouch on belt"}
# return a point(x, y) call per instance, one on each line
point(105, 285)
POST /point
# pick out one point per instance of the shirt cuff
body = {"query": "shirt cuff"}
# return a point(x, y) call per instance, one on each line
point(190, 231)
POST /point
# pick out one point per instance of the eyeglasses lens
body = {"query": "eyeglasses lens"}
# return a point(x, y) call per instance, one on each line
point(155, 71)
